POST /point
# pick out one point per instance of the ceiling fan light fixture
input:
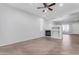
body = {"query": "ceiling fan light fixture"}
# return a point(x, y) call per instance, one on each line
point(45, 11)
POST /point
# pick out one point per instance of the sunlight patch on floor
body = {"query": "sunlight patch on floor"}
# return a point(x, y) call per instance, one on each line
point(66, 42)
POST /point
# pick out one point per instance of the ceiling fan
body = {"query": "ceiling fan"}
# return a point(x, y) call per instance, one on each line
point(47, 6)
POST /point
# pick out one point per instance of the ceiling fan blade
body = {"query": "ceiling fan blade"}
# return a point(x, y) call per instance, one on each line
point(45, 4)
point(50, 9)
point(52, 4)
point(40, 7)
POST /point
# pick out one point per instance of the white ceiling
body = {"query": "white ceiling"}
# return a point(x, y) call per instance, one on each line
point(66, 9)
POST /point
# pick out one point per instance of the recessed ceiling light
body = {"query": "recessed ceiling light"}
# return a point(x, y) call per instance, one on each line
point(61, 4)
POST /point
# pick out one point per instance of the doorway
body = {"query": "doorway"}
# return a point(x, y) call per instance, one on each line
point(65, 28)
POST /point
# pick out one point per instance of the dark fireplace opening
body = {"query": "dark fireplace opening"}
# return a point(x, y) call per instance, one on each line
point(47, 32)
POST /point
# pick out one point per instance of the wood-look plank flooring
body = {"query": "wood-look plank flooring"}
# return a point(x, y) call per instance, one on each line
point(44, 46)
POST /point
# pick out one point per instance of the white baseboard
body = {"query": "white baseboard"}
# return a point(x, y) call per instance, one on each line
point(20, 41)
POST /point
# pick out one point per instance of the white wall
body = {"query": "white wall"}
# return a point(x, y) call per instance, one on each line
point(47, 25)
point(75, 28)
point(16, 25)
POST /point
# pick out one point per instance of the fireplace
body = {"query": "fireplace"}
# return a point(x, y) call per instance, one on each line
point(47, 32)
